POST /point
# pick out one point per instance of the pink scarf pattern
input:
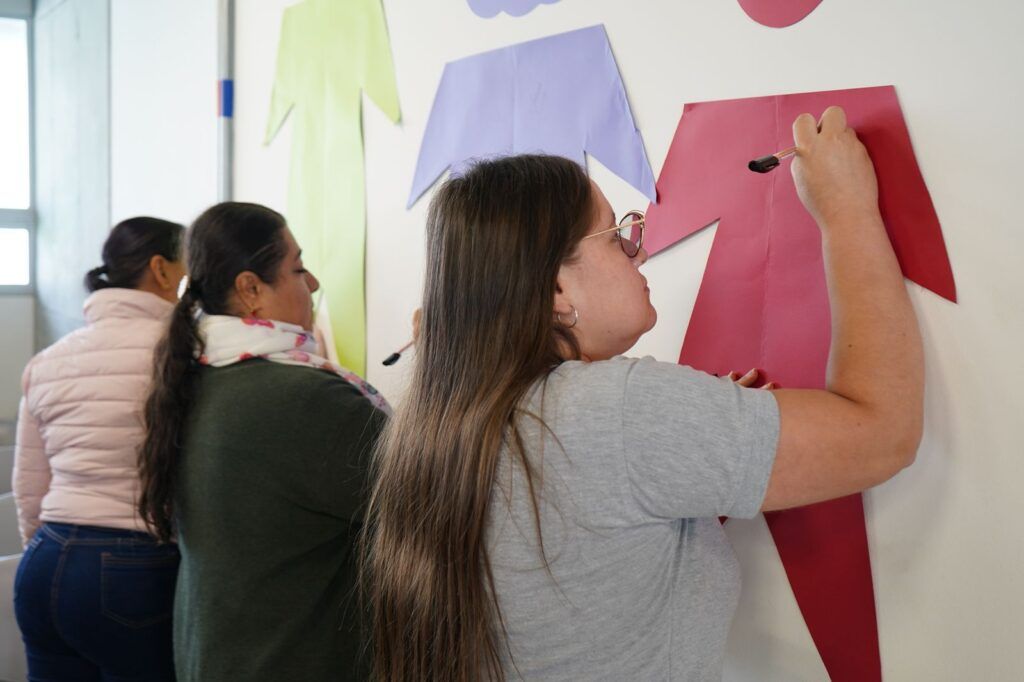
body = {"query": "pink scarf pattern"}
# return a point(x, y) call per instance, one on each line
point(228, 339)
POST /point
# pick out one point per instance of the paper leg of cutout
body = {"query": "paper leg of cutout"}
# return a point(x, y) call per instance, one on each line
point(824, 549)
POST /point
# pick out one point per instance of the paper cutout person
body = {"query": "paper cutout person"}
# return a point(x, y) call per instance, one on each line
point(778, 14)
point(558, 95)
point(763, 303)
point(331, 51)
point(515, 8)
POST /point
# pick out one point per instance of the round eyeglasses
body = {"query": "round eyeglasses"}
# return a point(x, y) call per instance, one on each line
point(630, 232)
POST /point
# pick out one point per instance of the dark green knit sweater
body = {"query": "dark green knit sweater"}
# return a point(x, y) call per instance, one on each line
point(270, 494)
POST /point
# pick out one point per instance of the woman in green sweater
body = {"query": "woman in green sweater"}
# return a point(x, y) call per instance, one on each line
point(255, 458)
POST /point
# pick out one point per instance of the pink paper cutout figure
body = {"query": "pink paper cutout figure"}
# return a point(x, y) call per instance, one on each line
point(763, 303)
point(778, 13)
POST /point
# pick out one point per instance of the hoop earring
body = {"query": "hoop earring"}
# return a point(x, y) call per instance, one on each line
point(575, 318)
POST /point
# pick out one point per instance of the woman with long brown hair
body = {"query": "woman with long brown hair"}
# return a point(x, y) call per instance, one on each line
point(255, 458)
point(544, 509)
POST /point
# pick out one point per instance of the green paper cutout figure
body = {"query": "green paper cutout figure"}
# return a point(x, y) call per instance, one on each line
point(331, 51)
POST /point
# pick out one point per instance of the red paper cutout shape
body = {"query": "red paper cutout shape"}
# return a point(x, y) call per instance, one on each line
point(778, 13)
point(763, 303)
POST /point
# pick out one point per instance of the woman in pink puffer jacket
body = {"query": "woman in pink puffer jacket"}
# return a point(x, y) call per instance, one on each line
point(93, 593)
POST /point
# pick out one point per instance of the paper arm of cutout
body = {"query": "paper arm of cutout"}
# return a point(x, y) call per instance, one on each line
point(283, 97)
point(711, 141)
point(612, 137)
point(904, 200)
point(453, 126)
point(377, 68)
point(558, 95)
point(776, 14)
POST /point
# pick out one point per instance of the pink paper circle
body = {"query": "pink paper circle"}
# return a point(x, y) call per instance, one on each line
point(778, 13)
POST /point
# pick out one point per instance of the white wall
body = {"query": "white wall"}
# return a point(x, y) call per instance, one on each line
point(163, 108)
point(15, 352)
point(947, 558)
point(72, 155)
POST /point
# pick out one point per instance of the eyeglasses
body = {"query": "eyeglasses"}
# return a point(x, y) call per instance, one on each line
point(630, 233)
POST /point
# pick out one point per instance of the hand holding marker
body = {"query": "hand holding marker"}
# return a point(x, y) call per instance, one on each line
point(770, 162)
point(767, 163)
point(394, 357)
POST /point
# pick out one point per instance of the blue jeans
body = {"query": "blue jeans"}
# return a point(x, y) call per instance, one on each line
point(95, 604)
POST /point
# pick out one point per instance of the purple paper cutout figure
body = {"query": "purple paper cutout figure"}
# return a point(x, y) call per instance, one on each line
point(515, 8)
point(558, 95)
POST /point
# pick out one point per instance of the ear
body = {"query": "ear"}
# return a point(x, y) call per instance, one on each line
point(158, 266)
point(249, 289)
point(564, 284)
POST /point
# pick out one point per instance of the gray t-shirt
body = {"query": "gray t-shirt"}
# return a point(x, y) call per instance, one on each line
point(641, 459)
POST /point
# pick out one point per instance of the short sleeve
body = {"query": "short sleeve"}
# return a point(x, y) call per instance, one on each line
point(696, 445)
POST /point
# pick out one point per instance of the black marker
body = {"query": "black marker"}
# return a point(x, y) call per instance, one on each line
point(393, 358)
point(767, 163)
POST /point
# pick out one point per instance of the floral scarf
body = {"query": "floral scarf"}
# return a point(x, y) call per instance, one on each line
point(229, 339)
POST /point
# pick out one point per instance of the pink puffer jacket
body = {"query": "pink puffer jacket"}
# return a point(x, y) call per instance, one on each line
point(80, 420)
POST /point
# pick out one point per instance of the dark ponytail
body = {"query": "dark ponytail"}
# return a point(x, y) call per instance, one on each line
point(226, 240)
point(95, 279)
point(129, 248)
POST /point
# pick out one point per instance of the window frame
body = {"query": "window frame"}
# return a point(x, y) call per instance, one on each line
point(14, 217)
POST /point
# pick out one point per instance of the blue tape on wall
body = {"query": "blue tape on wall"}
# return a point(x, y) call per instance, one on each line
point(226, 98)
